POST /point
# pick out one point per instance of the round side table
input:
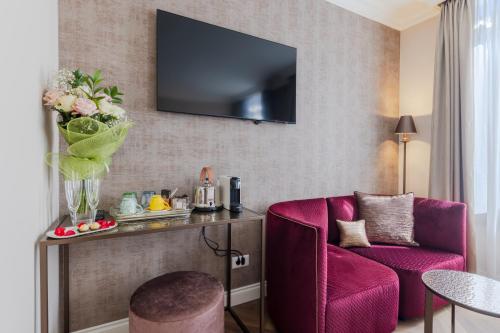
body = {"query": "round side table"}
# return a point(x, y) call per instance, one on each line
point(470, 291)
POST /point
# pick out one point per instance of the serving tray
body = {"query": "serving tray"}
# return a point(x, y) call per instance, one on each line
point(148, 215)
point(51, 233)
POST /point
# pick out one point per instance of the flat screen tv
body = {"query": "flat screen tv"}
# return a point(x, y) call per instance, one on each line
point(204, 69)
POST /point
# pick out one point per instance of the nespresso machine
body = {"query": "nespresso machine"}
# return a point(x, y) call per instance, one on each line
point(230, 188)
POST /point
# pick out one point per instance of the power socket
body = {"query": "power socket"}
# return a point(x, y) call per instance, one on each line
point(235, 259)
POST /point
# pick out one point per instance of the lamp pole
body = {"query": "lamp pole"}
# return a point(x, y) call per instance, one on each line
point(405, 127)
point(405, 137)
point(404, 166)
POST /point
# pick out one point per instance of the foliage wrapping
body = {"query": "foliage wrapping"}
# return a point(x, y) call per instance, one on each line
point(89, 121)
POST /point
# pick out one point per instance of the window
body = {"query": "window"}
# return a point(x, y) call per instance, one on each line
point(486, 104)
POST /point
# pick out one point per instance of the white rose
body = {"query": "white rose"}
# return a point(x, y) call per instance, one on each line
point(104, 106)
point(109, 109)
point(65, 103)
point(117, 111)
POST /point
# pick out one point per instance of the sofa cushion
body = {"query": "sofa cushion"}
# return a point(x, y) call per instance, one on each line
point(362, 295)
point(389, 218)
point(409, 263)
point(340, 208)
point(441, 225)
point(352, 233)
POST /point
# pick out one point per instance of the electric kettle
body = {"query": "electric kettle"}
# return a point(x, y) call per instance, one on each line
point(205, 195)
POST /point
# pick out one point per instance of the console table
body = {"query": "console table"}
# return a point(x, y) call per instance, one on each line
point(196, 220)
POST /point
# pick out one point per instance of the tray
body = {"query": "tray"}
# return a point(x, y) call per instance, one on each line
point(51, 233)
point(149, 215)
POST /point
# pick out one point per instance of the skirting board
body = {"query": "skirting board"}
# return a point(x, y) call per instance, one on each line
point(238, 296)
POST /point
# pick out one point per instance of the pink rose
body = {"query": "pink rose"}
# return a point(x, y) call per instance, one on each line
point(51, 96)
point(107, 98)
point(84, 106)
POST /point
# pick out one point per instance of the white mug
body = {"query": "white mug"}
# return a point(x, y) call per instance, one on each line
point(129, 205)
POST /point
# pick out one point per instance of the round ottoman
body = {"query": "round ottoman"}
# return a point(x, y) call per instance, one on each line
point(180, 302)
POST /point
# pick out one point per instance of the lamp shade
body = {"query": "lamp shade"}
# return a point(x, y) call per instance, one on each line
point(405, 125)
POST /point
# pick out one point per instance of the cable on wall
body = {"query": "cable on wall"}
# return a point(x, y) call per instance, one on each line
point(215, 247)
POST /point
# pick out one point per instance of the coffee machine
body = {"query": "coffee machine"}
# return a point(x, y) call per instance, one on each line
point(230, 187)
point(206, 194)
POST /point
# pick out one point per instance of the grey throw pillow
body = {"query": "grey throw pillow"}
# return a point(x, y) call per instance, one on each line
point(352, 234)
point(389, 218)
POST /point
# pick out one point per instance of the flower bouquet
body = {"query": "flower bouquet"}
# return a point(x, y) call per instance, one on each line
point(89, 120)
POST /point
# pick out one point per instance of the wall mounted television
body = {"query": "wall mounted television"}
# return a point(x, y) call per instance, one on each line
point(204, 69)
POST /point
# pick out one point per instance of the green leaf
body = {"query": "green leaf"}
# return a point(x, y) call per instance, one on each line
point(78, 78)
point(88, 81)
point(87, 94)
point(117, 100)
point(97, 75)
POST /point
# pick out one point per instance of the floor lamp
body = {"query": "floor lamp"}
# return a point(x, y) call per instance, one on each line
point(406, 126)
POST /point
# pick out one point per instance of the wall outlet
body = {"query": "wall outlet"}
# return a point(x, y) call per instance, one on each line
point(235, 259)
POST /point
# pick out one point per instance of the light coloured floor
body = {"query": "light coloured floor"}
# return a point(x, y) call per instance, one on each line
point(466, 321)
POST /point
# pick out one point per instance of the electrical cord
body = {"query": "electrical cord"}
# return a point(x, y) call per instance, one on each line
point(215, 247)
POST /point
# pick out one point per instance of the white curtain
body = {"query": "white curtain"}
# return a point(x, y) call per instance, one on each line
point(450, 170)
point(452, 145)
point(486, 206)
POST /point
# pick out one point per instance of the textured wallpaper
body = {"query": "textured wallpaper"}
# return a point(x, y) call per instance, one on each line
point(347, 107)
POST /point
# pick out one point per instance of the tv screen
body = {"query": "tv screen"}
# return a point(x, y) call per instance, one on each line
point(203, 69)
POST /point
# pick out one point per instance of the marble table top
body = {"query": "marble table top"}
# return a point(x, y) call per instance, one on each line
point(474, 292)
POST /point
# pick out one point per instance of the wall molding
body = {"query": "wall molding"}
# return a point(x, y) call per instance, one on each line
point(239, 295)
point(397, 14)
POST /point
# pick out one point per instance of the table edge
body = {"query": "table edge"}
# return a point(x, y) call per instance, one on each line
point(454, 302)
point(111, 234)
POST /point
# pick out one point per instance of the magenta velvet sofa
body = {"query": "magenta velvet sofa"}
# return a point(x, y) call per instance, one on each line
point(315, 286)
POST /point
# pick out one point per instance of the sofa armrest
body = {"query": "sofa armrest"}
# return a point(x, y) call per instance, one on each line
point(441, 225)
point(296, 265)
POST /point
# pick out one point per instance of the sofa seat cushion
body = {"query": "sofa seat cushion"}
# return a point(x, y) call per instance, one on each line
point(409, 263)
point(362, 295)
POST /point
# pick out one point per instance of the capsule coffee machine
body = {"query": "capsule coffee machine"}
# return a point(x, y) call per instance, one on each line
point(230, 188)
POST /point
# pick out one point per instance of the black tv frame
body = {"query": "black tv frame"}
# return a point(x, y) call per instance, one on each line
point(256, 121)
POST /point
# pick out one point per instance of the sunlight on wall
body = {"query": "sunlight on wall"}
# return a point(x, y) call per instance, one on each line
point(415, 98)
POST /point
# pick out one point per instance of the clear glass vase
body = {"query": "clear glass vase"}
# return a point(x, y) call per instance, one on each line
point(83, 211)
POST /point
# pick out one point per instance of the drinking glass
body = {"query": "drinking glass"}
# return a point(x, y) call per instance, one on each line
point(92, 185)
point(74, 191)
